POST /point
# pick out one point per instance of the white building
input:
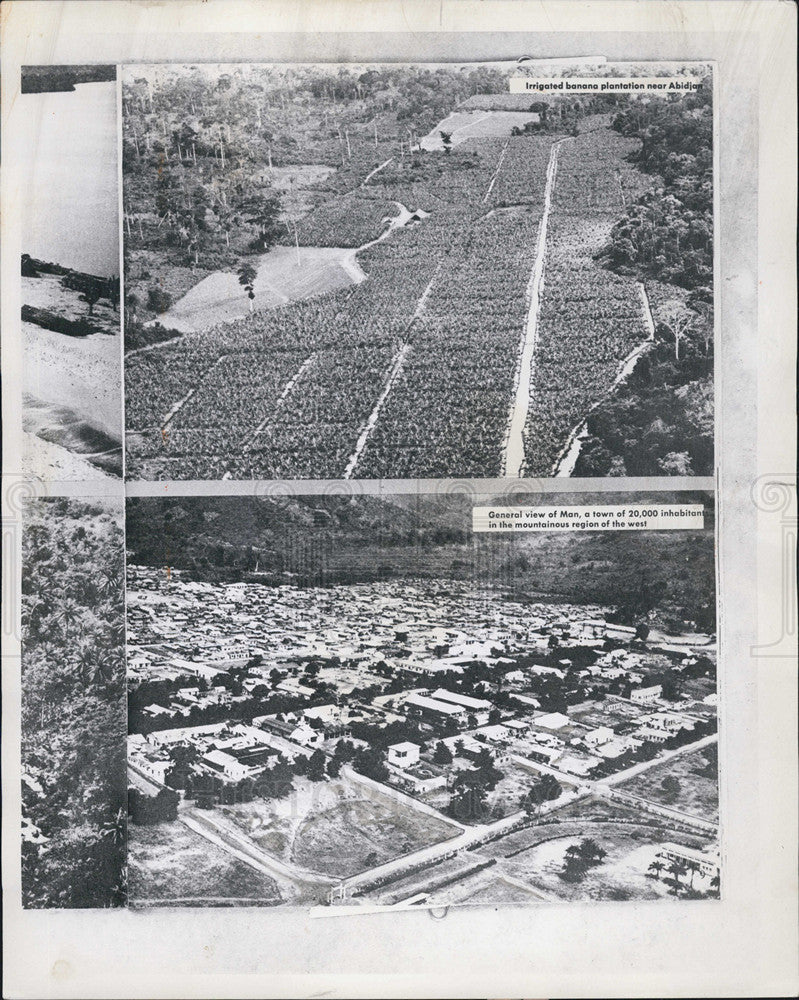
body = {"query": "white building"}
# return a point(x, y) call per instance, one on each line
point(478, 707)
point(227, 764)
point(553, 720)
point(403, 755)
point(596, 737)
point(644, 696)
point(230, 652)
point(707, 864)
point(437, 709)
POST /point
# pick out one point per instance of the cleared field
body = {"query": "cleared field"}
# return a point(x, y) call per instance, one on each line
point(498, 102)
point(335, 829)
point(535, 855)
point(688, 783)
point(486, 888)
point(358, 835)
point(622, 874)
point(588, 814)
point(171, 862)
point(285, 274)
point(477, 124)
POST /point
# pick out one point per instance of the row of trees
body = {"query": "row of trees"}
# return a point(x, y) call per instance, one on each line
point(673, 872)
point(276, 782)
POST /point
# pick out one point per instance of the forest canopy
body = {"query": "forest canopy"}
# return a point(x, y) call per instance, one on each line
point(73, 706)
point(660, 421)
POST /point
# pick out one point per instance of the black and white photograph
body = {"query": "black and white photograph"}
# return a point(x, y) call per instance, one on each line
point(74, 808)
point(399, 499)
point(408, 271)
point(71, 322)
point(356, 700)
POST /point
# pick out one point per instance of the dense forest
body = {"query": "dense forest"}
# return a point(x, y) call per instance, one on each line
point(660, 420)
point(321, 541)
point(73, 706)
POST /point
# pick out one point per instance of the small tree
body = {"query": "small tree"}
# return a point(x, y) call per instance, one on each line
point(158, 301)
point(671, 788)
point(247, 275)
point(316, 766)
point(92, 292)
point(446, 141)
point(301, 764)
point(677, 320)
point(442, 754)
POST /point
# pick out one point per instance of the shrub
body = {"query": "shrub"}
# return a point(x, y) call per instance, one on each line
point(158, 301)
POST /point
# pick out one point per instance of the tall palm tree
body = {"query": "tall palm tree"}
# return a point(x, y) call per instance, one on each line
point(67, 614)
point(86, 660)
point(677, 869)
point(692, 868)
point(657, 867)
point(106, 663)
point(115, 828)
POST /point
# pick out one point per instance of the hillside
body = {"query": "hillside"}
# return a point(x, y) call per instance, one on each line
point(321, 541)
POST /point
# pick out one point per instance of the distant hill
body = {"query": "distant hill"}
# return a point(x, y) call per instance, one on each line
point(668, 576)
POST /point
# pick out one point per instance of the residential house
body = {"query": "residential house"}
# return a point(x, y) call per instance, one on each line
point(403, 755)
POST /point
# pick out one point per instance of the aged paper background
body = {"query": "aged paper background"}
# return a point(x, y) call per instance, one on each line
point(745, 943)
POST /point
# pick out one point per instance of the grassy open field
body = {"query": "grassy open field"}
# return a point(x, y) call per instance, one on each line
point(696, 791)
point(358, 835)
point(169, 861)
point(535, 855)
point(477, 124)
point(337, 828)
point(622, 874)
point(488, 887)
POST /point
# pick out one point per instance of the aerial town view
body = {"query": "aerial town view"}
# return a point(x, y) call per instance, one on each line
point(355, 701)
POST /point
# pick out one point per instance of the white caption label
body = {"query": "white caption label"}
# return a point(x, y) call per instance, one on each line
point(605, 85)
point(590, 517)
